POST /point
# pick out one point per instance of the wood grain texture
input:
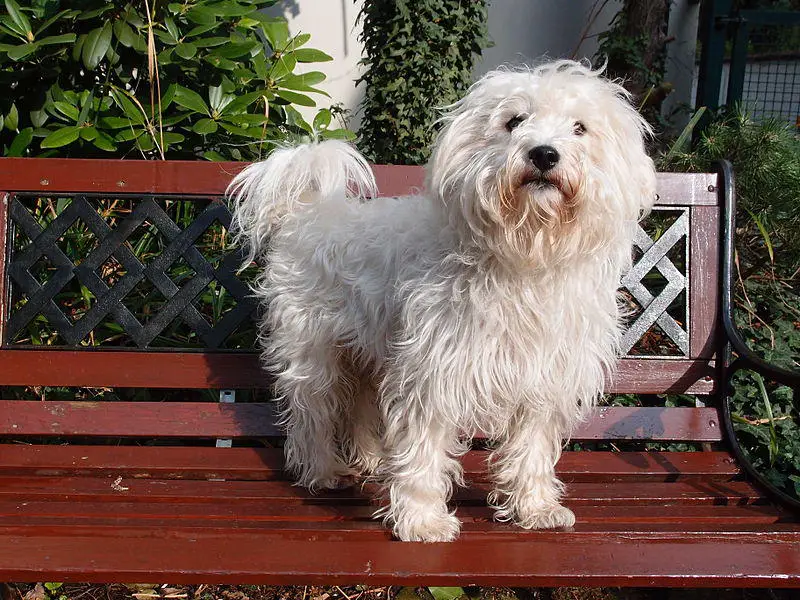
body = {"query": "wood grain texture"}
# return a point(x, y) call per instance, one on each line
point(193, 557)
point(200, 178)
point(235, 370)
point(264, 464)
point(687, 189)
point(705, 336)
point(252, 420)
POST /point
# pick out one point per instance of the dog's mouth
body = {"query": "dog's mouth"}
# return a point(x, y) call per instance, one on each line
point(538, 181)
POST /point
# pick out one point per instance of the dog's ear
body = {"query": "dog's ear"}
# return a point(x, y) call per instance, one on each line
point(631, 131)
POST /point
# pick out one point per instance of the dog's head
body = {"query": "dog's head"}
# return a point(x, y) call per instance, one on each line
point(543, 163)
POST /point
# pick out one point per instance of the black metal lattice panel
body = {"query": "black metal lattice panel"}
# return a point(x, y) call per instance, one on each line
point(48, 234)
point(63, 251)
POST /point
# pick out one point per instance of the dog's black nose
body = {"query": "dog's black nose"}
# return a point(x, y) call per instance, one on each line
point(544, 157)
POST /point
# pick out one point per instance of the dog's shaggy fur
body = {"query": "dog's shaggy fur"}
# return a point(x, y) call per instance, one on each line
point(488, 302)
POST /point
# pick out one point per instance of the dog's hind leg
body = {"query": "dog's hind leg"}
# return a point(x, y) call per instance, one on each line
point(365, 428)
point(315, 392)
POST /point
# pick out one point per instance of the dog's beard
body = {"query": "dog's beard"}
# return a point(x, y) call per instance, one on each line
point(531, 212)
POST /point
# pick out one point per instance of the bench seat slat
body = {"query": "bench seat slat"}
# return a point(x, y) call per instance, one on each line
point(266, 463)
point(370, 529)
point(248, 420)
point(106, 368)
point(187, 557)
point(282, 492)
point(256, 512)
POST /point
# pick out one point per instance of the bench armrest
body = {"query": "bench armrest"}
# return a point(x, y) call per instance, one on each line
point(746, 358)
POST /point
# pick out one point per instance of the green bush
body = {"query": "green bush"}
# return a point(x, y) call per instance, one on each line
point(203, 78)
point(419, 56)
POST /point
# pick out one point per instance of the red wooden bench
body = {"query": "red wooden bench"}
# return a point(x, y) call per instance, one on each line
point(183, 491)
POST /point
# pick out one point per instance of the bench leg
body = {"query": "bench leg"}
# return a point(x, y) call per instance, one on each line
point(419, 472)
point(527, 491)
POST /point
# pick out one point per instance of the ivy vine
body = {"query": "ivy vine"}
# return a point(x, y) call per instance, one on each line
point(419, 56)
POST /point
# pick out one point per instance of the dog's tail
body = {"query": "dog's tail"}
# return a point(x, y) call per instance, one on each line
point(291, 180)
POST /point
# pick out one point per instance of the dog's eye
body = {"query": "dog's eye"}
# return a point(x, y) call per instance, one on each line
point(514, 121)
point(579, 128)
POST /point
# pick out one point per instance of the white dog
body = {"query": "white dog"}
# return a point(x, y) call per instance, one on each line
point(487, 303)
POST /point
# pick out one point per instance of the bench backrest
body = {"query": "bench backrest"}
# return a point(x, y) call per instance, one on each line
point(48, 204)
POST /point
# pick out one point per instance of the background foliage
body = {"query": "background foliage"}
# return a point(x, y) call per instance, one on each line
point(419, 56)
point(201, 78)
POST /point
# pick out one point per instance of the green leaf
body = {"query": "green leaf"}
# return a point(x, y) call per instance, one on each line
point(304, 55)
point(235, 50)
point(202, 15)
point(12, 118)
point(67, 109)
point(205, 126)
point(303, 81)
point(104, 142)
point(22, 51)
point(241, 103)
point(130, 109)
point(77, 49)
point(125, 34)
point(67, 38)
point(113, 122)
point(172, 29)
point(338, 134)
point(298, 40)
point(39, 117)
point(764, 233)
point(322, 119)
point(446, 593)
point(296, 98)
point(276, 30)
point(97, 43)
point(61, 137)
point(282, 67)
point(190, 99)
point(211, 42)
point(214, 156)
point(88, 133)
point(19, 19)
point(21, 142)
point(186, 50)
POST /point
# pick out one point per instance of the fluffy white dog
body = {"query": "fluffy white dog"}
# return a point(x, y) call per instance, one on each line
point(487, 303)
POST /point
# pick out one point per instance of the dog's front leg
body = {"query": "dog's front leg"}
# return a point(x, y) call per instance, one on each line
point(419, 472)
point(523, 466)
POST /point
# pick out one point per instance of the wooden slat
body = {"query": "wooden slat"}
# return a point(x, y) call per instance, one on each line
point(137, 419)
point(687, 189)
point(208, 178)
point(191, 178)
point(704, 281)
point(652, 423)
point(258, 464)
point(30, 489)
point(370, 530)
point(108, 368)
point(261, 513)
point(247, 420)
point(195, 557)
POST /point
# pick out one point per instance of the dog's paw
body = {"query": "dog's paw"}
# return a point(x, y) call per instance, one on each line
point(428, 527)
point(338, 480)
point(548, 516)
